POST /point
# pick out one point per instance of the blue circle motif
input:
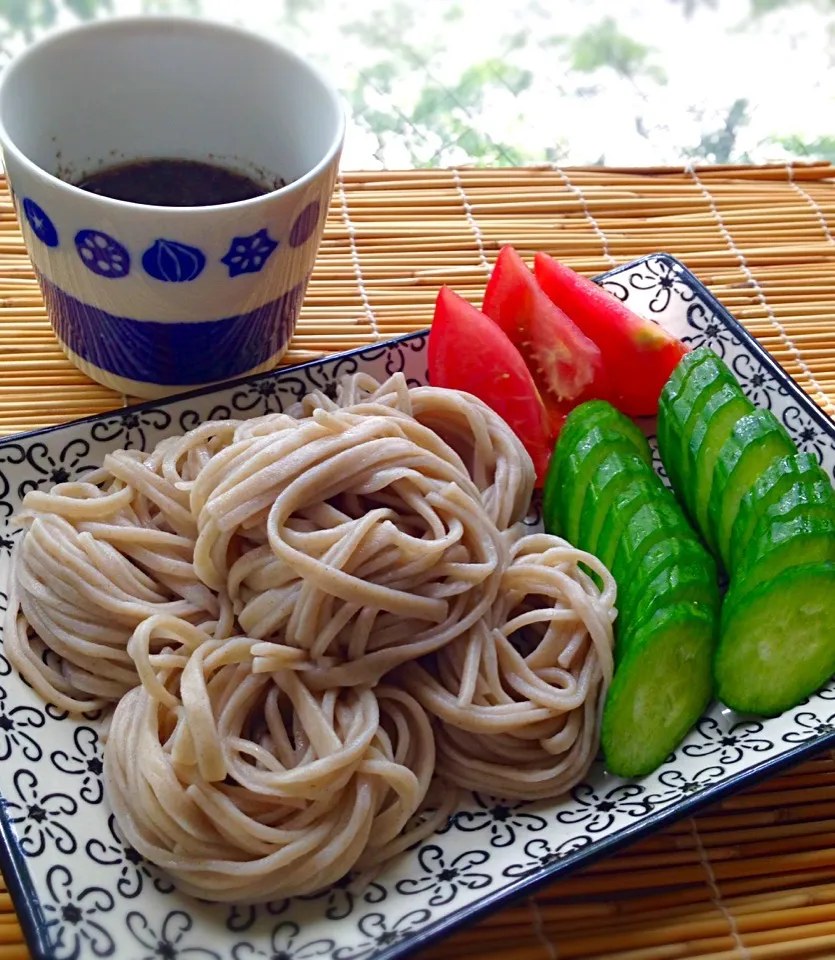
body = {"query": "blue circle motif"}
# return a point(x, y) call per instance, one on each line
point(102, 254)
point(173, 262)
point(249, 254)
point(42, 226)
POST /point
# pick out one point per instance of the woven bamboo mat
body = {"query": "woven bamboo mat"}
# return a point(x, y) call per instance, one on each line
point(753, 878)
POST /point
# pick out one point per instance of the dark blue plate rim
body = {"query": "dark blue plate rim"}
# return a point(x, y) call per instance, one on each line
point(13, 863)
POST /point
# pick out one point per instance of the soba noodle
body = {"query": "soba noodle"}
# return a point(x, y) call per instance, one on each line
point(517, 695)
point(313, 628)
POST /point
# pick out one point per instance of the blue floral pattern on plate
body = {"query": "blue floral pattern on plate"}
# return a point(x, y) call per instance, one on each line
point(102, 899)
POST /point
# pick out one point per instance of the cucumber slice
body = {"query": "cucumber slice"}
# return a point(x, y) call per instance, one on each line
point(765, 492)
point(694, 583)
point(577, 426)
point(664, 554)
point(598, 412)
point(580, 468)
point(681, 434)
point(615, 472)
point(755, 442)
point(706, 437)
point(704, 380)
point(627, 502)
point(777, 643)
point(660, 688)
point(681, 371)
point(672, 390)
point(657, 519)
point(794, 531)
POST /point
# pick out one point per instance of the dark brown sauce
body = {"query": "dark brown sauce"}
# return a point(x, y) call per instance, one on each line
point(173, 183)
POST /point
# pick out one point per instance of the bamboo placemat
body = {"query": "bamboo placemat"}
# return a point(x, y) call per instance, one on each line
point(754, 877)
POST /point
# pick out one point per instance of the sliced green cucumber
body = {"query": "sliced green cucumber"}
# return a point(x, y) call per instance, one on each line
point(669, 394)
point(627, 502)
point(657, 519)
point(673, 550)
point(778, 478)
point(777, 642)
point(680, 436)
point(704, 380)
point(660, 688)
point(586, 415)
point(682, 370)
point(708, 434)
point(794, 531)
point(693, 583)
point(576, 428)
point(613, 473)
point(580, 468)
point(755, 442)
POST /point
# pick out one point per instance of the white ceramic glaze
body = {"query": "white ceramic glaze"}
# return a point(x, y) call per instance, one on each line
point(151, 300)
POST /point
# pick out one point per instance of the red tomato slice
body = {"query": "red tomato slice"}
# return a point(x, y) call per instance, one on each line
point(468, 352)
point(639, 355)
point(566, 365)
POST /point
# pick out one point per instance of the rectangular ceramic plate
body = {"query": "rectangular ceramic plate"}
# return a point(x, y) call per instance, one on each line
point(80, 893)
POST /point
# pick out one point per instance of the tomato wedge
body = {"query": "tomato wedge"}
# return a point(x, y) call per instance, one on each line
point(468, 352)
point(638, 354)
point(566, 365)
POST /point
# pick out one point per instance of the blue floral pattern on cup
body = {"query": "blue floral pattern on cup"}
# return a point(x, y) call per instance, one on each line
point(102, 254)
point(42, 226)
point(249, 254)
point(173, 262)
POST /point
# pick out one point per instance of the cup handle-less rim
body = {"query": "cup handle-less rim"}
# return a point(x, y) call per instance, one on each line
point(169, 24)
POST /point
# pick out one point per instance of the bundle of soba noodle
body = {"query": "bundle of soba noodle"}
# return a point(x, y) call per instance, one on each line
point(313, 627)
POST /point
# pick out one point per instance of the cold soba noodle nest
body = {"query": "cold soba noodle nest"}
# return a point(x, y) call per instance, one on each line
point(314, 627)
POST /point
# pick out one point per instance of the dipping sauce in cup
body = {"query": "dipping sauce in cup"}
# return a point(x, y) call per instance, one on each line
point(153, 298)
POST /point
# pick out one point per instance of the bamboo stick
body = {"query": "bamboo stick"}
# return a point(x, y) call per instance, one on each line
point(14, 952)
point(699, 908)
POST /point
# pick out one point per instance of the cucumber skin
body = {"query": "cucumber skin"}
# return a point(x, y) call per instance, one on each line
point(587, 415)
point(812, 533)
point(579, 468)
point(616, 731)
point(812, 502)
point(766, 540)
point(691, 439)
point(682, 370)
point(640, 514)
point(673, 551)
point(624, 506)
point(736, 692)
point(672, 390)
point(612, 475)
point(693, 584)
point(576, 427)
point(683, 408)
point(725, 408)
point(765, 492)
point(760, 434)
point(630, 550)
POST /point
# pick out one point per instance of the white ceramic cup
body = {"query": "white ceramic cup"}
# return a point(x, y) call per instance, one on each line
point(153, 300)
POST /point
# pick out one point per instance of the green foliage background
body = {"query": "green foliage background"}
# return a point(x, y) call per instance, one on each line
point(443, 119)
